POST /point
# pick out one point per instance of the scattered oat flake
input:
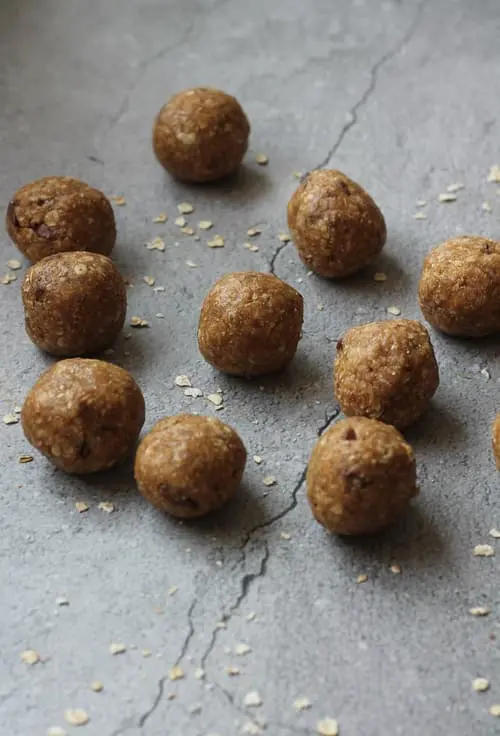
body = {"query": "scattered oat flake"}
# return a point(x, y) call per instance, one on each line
point(483, 550)
point(394, 310)
point(262, 159)
point(480, 611)
point(191, 264)
point(216, 242)
point(205, 224)
point(119, 201)
point(380, 276)
point(485, 372)
point(269, 480)
point(251, 232)
point(395, 569)
point(284, 238)
point(447, 197)
point(106, 506)
point(486, 207)
point(173, 590)
point(30, 656)
point(62, 601)
point(421, 203)
point(117, 647)
point(176, 673)
point(193, 393)
point(257, 459)
point(286, 536)
point(8, 278)
point(138, 322)
point(81, 507)
point(97, 686)
point(328, 727)
point(185, 208)
point(495, 533)
point(199, 673)
point(10, 419)
point(216, 399)
point(170, 696)
point(480, 684)
point(455, 187)
point(319, 307)
point(232, 671)
point(187, 230)
point(251, 616)
point(149, 280)
point(302, 704)
point(252, 699)
point(251, 728)
point(146, 652)
point(251, 247)
point(297, 174)
point(56, 731)
point(163, 217)
point(241, 649)
point(494, 174)
point(182, 381)
point(77, 717)
point(362, 578)
point(495, 710)
point(18, 409)
point(156, 244)
point(14, 264)
point(420, 216)
point(180, 221)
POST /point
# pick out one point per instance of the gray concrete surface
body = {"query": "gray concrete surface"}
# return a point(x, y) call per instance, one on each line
point(402, 96)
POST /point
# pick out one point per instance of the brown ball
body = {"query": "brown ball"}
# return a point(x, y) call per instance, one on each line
point(337, 227)
point(57, 214)
point(201, 135)
point(459, 289)
point(250, 324)
point(496, 440)
point(189, 465)
point(361, 476)
point(74, 303)
point(84, 415)
point(386, 371)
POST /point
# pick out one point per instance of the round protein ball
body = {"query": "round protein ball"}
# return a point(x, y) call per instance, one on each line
point(74, 303)
point(57, 214)
point(190, 465)
point(201, 135)
point(250, 324)
point(496, 440)
point(84, 415)
point(361, 476)
point(337, 227)
point(459, 289)
point(386, 371)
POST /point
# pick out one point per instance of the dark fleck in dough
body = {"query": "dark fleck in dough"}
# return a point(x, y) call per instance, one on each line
point(387, 371)
point(74, 303)
point(84, 415)
point(57, 214)
point(190, 465)
point(496, 440)
point(459, 290)
point(201, 135)
point(361, 476)
point(337, 227)
point(250, 324)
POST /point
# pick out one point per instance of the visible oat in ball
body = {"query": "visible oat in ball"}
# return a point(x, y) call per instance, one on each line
point(84, 415)
point(190, 465)
point(201, 135)
point(459, 289)
point(250, 324)
point(496, 440)
point(386, 370)
point(74, 303)
point(337, 227)
point(361, 476)
point(57, 214)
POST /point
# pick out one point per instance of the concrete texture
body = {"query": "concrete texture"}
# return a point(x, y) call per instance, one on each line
point(403, 97)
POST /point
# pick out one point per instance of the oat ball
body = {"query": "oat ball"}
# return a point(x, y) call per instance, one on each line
point(459, 289)
point(74, 303)
point(361, 476)
point(250, 324)
point(201, 135)
point(57, 214)
point(189, 465)
point(496, 440)
point(386, 370)
point(84, 415)
point(337, 227)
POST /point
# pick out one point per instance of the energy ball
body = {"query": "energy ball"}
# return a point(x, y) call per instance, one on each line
point(386, 371)
point(459, 290)
point(57, 214)
point(84, 415)
point(74, 303)
point(337, 227)
point(201, 135)
point(250, 324)
point(361, 476)
point(496, 440)
point(189, 465)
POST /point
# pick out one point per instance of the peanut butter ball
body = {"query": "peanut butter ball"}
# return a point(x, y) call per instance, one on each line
point(250, 324)
point(387, 371)
point(74, 303)
point(459, 290)
point(189, 465)
point(57, 214)
point(496, 440)
point(337, 227)
point(361, 476)
point(84, 415)
point(201, 135)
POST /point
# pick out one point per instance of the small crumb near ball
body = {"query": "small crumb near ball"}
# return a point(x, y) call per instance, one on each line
point(496, 440)
point(459, 289)
point(57, 214)
point(250, 324)
point(201, 135)
point(361, 476)
point(84, 415)
point(74, 303)
point(337, 227)
point(190, 465)
point(386, 371)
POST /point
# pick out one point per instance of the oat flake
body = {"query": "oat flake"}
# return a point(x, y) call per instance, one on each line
point(301, 704)
point(262, 159)
point(149, 280)
point(394, 310)
point(119, 201)
point(205, 224)
point(199, 673)
point(81, 507)
point(380, 276)
point(106, 506)
point(77, 717)
point(456, 187)
point(447, 197)
point(163, 217)
point(96, 686)
point(242, 649)
point(191, 264)
point(216, 242)
point(182, 381)
point(138, 322)
point(480, 685)
point(252, 699)
point(480, 611)
point(269, 480)
point(156, 244)
point(176, 673)
point(362, 578)
point(180, 221)
point(185, 208)
point(494, 174)
point(30, 656)
point(257, 459)
point(26, 459)
point(495, 533)
point(420, 216)
point(216, 399)
point(10, 419)
point(117, 648)
point(14, 264)
point(483, 550)
point(56, 731)
point(328, 727)
point(495, 710)
point(193, 393)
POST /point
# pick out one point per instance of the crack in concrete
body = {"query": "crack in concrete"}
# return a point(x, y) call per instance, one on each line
point(275, 255)
point(368, 92)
